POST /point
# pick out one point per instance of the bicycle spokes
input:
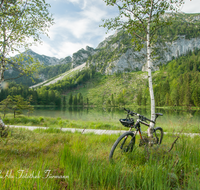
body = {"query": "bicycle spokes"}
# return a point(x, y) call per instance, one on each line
point(128, 147)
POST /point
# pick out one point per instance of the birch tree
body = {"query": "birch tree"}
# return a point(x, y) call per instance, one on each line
point(22, 22)
point(142, 19)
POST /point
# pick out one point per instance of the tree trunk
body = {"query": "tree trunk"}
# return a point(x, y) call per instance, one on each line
point(2, 66)
point(150, 129)
point(2, 69)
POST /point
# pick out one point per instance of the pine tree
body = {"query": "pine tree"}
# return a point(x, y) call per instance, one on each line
point(75, 100)
point(70, 99)
point(64, 101)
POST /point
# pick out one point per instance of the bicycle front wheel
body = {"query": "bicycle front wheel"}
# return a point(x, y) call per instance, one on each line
point(122, 147)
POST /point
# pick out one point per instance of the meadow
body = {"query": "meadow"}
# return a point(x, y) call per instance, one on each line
point(52, 159)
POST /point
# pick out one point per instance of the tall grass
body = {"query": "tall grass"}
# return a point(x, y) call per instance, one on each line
point(158, 170)
point(81, 162)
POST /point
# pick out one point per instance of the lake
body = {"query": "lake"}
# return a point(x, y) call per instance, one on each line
point(113, 114)
point(172, 120)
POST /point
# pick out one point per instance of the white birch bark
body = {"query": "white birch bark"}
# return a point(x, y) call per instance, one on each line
point(149, 63)
point(2, 66)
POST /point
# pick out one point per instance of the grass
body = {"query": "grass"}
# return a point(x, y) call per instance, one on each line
point(105, 86)
point(51, 159)
point(185, 123)
point(58, 123)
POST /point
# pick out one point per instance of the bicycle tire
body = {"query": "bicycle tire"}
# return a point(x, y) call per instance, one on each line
point(160, 136)
point(123, 145)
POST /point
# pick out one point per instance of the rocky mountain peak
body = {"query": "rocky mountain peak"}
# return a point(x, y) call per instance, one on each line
point(81, 56)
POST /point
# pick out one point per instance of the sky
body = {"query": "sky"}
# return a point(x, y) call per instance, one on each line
point(77, 25)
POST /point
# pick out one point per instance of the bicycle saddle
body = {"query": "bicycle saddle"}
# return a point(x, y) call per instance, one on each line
point(159, 114)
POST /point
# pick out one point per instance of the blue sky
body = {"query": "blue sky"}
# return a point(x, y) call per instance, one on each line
point(77, 25)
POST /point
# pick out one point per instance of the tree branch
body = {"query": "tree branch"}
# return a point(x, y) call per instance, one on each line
point(175, 141)
point(121, 8)
point(139, 36)
point(173, 144)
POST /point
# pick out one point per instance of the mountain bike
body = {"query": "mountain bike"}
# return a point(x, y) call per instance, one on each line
point(125, 143)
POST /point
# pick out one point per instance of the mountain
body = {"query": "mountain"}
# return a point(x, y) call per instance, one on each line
point(117, 52)
point(46, 60)
point(77, 58)
point(52, 66)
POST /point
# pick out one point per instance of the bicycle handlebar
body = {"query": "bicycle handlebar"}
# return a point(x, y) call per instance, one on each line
point(143, 118)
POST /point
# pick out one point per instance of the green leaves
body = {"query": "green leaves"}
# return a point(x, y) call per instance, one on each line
point(16, 104)
point(21, 21)
point(134, 16)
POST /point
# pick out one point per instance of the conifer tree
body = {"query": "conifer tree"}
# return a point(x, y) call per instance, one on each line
point(70, 99)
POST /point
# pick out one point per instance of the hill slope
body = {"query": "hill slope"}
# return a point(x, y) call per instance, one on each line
point(69, 73)
point(175, 84)
point(117, 54)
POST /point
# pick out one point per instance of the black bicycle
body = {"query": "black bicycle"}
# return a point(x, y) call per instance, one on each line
point(125, 143)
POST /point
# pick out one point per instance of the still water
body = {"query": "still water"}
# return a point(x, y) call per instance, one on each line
point(112, 114)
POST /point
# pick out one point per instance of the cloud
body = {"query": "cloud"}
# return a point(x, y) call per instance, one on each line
point(77, 25)
point(94, 13)
point(191, 6)
point(81, 3)
point(68, 48)
point(45, 49)
point(61, 50)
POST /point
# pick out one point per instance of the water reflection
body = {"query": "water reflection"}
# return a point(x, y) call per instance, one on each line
point(108, 114)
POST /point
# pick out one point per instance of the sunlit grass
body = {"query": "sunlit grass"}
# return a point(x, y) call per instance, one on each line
point(84, 159)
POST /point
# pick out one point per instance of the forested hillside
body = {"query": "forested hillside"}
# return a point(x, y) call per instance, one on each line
point(43, 73)
point(175, 84)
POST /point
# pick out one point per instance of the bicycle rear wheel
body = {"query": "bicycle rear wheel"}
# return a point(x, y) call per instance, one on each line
point(158, 135)
point(122, 147)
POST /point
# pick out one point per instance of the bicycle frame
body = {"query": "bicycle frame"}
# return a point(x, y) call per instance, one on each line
point(137, 126)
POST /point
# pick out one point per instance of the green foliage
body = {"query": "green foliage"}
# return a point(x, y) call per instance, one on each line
point(184, 25)
point(16, 104)
point(141, 18)
point(6, 104)
point(70, 99)
point(21, 20)
point(179, 81)
point(52, 71)
point(139, 97)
